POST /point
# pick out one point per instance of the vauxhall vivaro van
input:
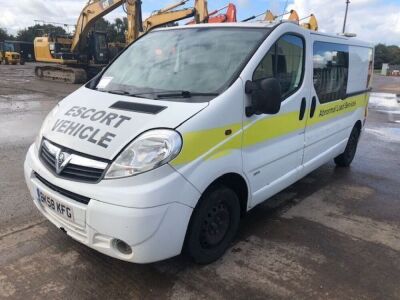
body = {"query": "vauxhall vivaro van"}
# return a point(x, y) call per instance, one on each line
point(191, 127)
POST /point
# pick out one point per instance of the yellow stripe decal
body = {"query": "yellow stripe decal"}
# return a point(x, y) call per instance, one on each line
point(328, 111)
point(272, 127)
point(199, 143)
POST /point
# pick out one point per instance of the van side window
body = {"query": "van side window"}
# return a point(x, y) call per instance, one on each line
point(331, 70)
point(284, 61)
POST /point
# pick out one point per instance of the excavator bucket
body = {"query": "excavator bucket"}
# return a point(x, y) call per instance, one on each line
point(269, 16)
point(212, 17)
point(294, 17)
point(228, 17)
point(231, 13)
point(312, 23)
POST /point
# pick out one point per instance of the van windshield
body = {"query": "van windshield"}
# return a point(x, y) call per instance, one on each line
point(191, 64)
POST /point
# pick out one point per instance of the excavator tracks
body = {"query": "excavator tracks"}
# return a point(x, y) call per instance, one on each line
point(61, 74)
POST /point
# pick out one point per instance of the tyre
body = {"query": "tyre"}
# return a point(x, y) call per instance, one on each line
point(6, 61)
point(22, 62)
point(345, 159)
point(213, 226)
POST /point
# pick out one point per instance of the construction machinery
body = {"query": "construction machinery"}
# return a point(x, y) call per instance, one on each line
point(214, 17)
point(165, 15)
point(312, 23)
point(76, 59)
point(7, 56)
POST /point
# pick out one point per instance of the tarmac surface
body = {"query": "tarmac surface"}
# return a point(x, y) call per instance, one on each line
point(335, 234)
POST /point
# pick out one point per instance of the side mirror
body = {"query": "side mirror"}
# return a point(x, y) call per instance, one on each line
point(266, 96)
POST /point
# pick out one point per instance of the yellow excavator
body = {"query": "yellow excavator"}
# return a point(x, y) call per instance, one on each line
point(312, 23)
point(7, 56)
point(76, 59)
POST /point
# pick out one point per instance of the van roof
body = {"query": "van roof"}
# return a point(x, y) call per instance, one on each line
point(336, 38)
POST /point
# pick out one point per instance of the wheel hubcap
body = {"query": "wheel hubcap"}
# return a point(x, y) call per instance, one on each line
point(215, 225)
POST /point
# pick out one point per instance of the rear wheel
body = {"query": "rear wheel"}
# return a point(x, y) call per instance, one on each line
point(345, 159)
point(214, 225)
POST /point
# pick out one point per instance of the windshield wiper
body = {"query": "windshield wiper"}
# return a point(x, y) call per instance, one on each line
point(123, 92)
point(181, 94)
point(161, 94)
point(118, 92)
point(173, 94)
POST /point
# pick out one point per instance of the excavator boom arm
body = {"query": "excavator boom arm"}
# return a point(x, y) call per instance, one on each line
point(134, 16)
point(201, 11)
point(167, 17)
point(94, 10)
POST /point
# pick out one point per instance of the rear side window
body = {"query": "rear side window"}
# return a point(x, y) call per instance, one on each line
point(331, 70)
point(284, 61)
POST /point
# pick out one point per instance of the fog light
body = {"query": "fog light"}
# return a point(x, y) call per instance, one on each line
point(122, 247)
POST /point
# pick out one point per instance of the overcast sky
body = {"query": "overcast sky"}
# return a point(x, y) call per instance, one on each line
point(373, 20)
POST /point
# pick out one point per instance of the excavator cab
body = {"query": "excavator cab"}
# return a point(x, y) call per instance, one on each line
point(98, 48)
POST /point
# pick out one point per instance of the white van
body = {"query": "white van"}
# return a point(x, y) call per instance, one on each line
point(191, 127)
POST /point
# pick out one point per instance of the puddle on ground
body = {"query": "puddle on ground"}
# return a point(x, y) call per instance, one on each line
point(22, 97)
point(391, 134)
point(23, 102)
point(384, 101)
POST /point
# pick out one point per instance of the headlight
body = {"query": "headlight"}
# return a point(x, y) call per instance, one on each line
point(46, 121)
point(150, 150)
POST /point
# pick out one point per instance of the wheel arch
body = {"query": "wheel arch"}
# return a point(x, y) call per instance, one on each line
point(232, 180)
point(237, 183)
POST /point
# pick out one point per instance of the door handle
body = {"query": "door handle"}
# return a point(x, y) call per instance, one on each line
point(313, 106)
point(302, 109)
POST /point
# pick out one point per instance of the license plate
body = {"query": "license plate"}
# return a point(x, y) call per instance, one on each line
point(61, 209)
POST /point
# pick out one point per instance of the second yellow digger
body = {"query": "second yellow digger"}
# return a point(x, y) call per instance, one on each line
point(76, 59)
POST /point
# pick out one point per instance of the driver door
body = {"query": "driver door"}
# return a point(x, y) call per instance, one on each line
point(273, 145)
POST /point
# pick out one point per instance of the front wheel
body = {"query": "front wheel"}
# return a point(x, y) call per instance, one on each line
point(214, 224)
point(345, 159)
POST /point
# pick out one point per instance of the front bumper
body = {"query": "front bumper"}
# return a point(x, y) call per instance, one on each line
point(152, 221)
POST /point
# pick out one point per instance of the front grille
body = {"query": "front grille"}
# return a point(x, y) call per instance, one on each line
point(48, 158)
point(82, 173)
point(68, 194)
point(72, 170)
